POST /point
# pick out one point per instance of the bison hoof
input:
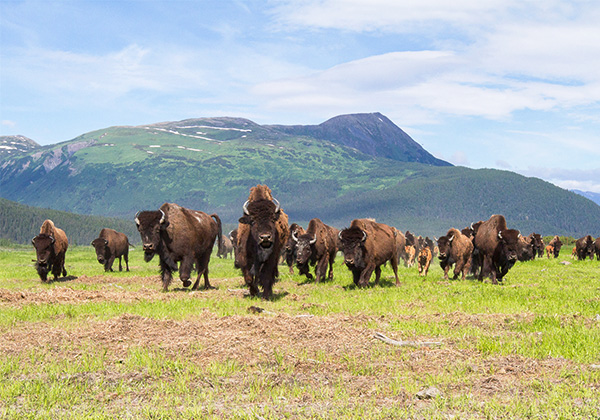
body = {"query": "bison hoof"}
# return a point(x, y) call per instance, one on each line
point(186, 283)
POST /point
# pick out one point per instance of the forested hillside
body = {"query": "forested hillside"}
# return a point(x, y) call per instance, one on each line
point(20, 223)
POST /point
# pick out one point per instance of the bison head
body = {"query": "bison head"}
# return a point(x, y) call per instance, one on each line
point(353, 240)
point(44, 249)
point(150, 224)
point(509, 244)
point(304, 245)
point(102, 251)
point(444, 245)
point(262, 216)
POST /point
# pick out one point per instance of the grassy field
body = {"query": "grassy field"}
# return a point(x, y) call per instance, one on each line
point(106, 346)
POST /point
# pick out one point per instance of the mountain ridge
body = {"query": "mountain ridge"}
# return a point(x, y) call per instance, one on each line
point(209, 164)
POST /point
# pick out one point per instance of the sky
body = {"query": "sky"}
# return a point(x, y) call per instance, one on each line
point(506, 84)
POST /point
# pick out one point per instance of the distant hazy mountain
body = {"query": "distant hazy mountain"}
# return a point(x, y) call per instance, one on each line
point(351, 166)
point(595, 197)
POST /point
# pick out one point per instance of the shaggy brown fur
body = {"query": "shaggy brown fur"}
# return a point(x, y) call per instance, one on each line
point(318, 246)
point(182, 235)
point(110, 245)
point(367, 245)
point(455, 248)
point(50, 246)
point(498, 247)
point(262, 233)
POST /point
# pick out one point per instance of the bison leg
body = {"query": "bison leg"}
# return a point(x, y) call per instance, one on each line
point(321, 269)
point(365, 276)
point(166, 274)
point(185, 271)
point(109, 264)
point(126, 258)
point(304, 269)
point(331, 261)
point(394, 263)
point(202, 266)
point(120, 265)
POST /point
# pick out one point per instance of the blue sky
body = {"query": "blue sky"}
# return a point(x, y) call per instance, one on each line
point(498, 83)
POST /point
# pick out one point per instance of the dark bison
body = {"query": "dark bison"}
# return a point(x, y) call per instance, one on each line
point(290, 249)
point(556, 245)
point(226, 248)
point(317, 246)
point(597, 248)
point(584, 247)
point(526, 250)
point(367, 245)
point(178, 234)
point(109, 245)
point(262, 232)
point(50, 248)
point(456, 249)
point(498, 247)
point(538, 244)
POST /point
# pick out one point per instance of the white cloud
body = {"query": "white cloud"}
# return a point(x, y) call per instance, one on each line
point(8, 123)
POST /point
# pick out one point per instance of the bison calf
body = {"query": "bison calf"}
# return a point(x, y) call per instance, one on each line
point(425, 257)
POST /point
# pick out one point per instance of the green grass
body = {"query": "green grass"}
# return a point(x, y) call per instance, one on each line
point(113, 345)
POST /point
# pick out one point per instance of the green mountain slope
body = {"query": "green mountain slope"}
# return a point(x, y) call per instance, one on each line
point(209, 164)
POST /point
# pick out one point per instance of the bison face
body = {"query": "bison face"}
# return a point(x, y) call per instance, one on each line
point(444, 247)
point(353, 240)
point(262, 216)
point(44, 249)
point(150, 224)
point(509, 242)
point(100, 245)
point(304, 246)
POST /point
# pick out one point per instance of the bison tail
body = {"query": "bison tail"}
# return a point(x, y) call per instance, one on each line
point(220, 243)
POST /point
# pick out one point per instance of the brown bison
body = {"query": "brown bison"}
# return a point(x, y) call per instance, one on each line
point(549, 251)
point(597, 248)
point(226, 249)
point(367, 245)
point(262, 232)
point(584, 248)
point(498, 247)
point(409, 252)
point(290, 250)
point(455, 249)
point(318, 246)
point(109, 245)
point(425, 257)
point(182, 235)
point(556, 245)
point(50, 248)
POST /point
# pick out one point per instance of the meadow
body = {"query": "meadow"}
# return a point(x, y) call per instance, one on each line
point(101, 345)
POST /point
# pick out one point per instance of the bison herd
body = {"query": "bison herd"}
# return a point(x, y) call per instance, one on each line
point(183, 239)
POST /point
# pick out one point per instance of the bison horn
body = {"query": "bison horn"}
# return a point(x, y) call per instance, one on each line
point(53, 240)
point(245, 207)
point(340, 235)
point(500, 234)
point(278, 206)
point(364, 236)
point(294, 237)
point(137, 221)
point(33, 240)
point(314, 240)
point(451, 238)
point(162, 219)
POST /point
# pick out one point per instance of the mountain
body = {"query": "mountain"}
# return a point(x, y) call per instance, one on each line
point(595, 197)
point(15, 145)
point(19, 223)
point(373, 134)
point(209, 164)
